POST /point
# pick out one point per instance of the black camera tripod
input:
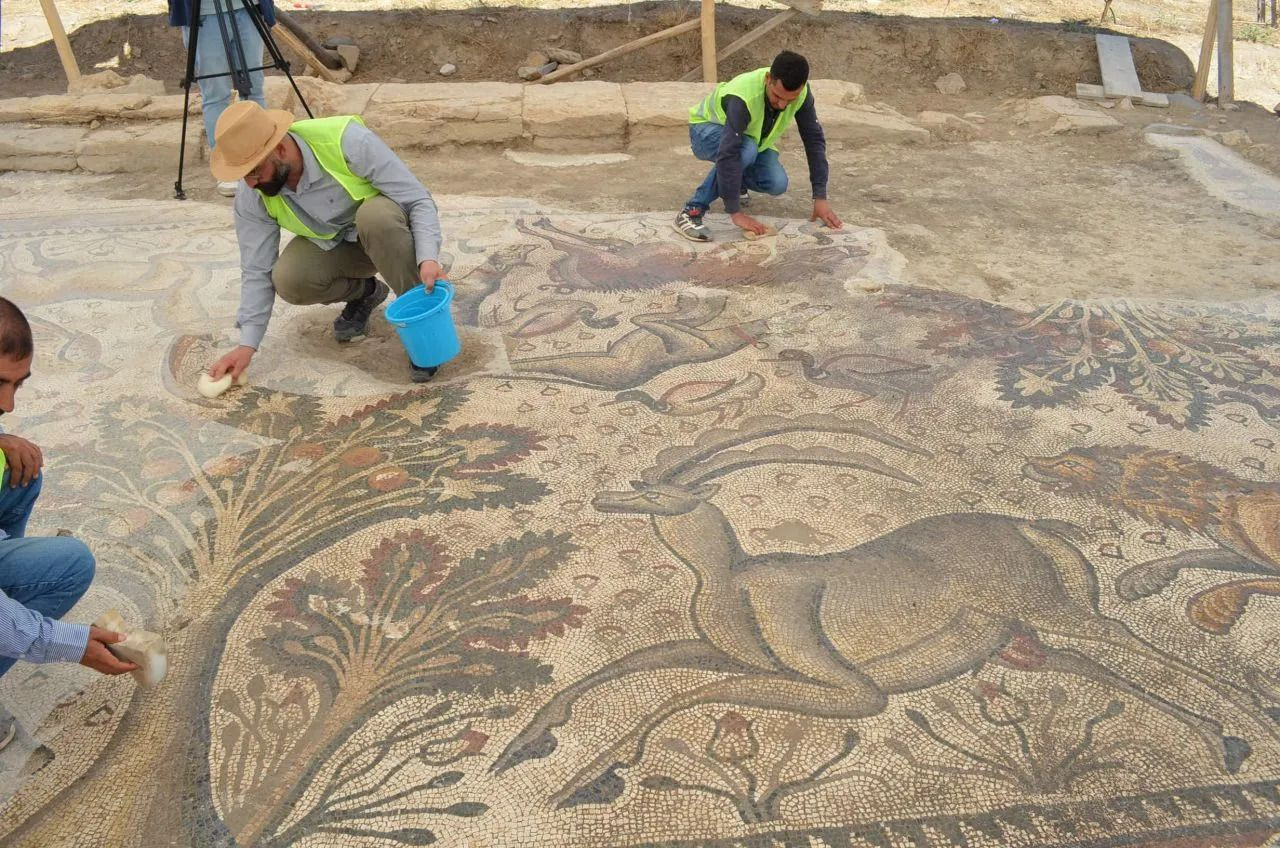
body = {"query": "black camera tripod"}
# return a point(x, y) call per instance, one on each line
point(238, 67)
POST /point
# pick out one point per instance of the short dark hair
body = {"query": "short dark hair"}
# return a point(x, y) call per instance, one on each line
point(15, 331)
point(791, 69)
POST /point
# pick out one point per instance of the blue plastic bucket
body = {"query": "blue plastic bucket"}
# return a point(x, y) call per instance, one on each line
point(425, 325)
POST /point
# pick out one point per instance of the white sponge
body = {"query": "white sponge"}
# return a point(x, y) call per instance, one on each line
point(139, 646)
point(211, 388)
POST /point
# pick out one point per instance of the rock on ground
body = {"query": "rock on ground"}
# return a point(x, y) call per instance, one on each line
point(951, 84)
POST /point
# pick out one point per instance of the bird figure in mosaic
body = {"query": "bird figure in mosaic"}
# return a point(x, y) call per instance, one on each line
point(869, 374)
point(699, 397)
point(1177, 492)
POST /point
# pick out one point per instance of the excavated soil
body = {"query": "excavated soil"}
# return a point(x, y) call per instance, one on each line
point(886, 54)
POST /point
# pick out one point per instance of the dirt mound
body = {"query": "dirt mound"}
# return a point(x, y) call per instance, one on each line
point(886, 54)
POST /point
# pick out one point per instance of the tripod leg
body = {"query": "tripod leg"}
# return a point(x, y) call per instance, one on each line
point(277, 58)
point(193, 33)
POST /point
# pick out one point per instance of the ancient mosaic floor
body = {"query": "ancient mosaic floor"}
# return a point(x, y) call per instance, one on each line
point(712, 545)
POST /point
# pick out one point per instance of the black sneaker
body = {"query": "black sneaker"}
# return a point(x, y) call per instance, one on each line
point(744, 199)
point(423, 375)
point(354, 320)
point(690, 225)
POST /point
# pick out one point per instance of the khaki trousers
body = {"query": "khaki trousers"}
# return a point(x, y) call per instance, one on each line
point(306, 274)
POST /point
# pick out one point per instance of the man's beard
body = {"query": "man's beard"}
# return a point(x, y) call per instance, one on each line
point(272, 188)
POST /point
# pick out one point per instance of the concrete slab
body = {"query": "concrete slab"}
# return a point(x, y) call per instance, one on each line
point(1119, 76)
point(1225, 174)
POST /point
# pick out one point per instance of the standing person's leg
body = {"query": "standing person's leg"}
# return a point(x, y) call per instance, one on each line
point(766, 174)
point(47, 575)
point(211, 58)
point(253, 50)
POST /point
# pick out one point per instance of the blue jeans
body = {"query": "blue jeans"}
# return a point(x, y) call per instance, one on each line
point(761, 171)
point(47, 575)
point(211, 58)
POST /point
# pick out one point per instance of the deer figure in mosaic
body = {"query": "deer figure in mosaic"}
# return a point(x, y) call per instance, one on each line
point(835, 635)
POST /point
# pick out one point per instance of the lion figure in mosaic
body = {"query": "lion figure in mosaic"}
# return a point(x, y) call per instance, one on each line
point(1174, 491)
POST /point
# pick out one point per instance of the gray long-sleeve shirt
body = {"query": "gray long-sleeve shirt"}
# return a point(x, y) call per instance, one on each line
point(324, 206)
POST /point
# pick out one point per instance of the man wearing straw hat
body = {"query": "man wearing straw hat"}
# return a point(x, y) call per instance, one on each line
point(356, 209)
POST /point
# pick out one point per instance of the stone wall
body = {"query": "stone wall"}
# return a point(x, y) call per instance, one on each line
point(134, 128)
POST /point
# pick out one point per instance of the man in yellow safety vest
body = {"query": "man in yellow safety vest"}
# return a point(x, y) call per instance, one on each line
point(356, 209)
point(738, 127)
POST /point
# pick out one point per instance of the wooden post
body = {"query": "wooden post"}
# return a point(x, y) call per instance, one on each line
point(60, 41)
point(709, 41)
point(1226, 77)
point(755, 35)
point(630, 47)
point(1206, 52)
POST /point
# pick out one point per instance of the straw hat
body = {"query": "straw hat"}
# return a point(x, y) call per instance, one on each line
point(245, 134)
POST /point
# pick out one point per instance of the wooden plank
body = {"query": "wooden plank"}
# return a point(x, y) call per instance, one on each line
point(60, 41)
point(809, 7)
point(755, 35)
point(1119, 77)
point(283, 35)
point(630, 47)
point(1226, 53)
point(709, 41)
point(1206, 52)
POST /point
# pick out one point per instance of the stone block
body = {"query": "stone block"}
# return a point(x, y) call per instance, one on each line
point(163, 108)
point(70, 108)
point(948, 127)
point(330, 98)
point(40, 148)
point(278, 94)
point(594, 111)
point(869, 125)
point(133, 147)
point(1057, 115)
point(427, 115)
point(658, 112)
point(827, 92)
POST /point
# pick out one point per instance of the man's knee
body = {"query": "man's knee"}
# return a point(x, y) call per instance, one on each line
point(776, 182)
point(380, 214)
point(79, 564)
point(750, 152)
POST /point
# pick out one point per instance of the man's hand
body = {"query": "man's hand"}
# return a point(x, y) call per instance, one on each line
point(429, 272)
point(822, 211)
point(746, 222)
point(24, 458)
point(97, 657)
point(233, 363)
